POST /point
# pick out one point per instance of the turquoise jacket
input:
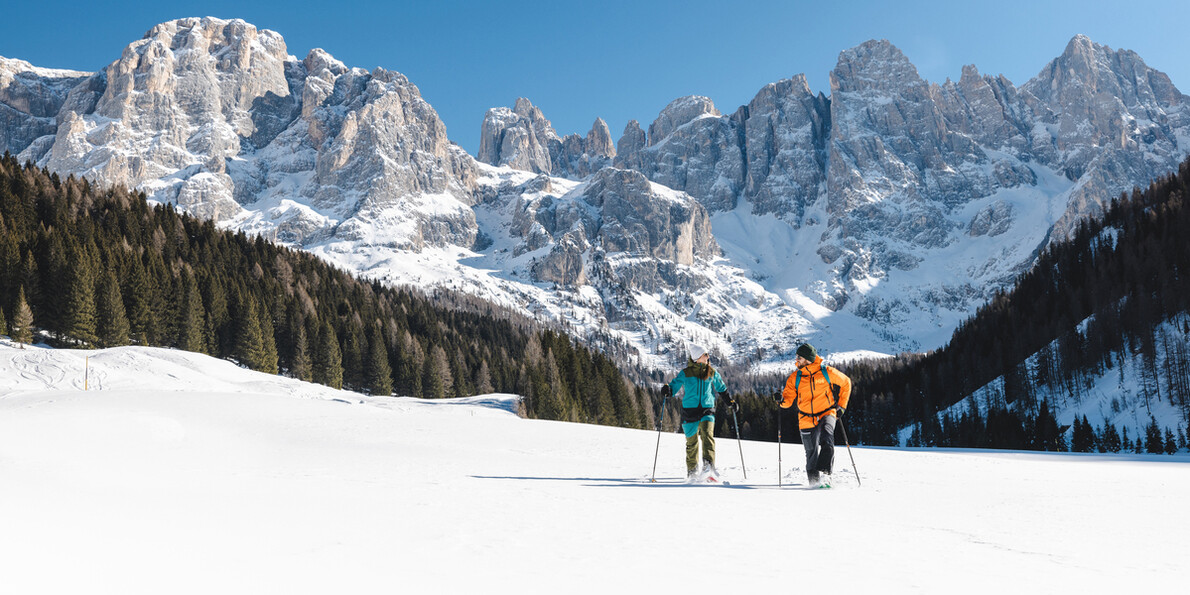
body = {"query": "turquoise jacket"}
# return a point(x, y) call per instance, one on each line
point(699, 394)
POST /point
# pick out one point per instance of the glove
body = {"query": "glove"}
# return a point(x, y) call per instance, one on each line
point(666, 392)
point(839, 411)
point(779, 398)
point(731, 402)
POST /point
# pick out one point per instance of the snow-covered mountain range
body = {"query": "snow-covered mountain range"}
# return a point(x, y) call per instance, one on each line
point(877, 217)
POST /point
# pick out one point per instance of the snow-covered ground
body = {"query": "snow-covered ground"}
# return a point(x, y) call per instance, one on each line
point(178, 473)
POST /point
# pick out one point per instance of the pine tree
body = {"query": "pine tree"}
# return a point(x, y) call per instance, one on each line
point(438, 382)
point(137, 296)
point(1153, 438)
point(3, 323)
point(413, 360)
point(191, 324)
point(328, 368)
point(268, 341)
point(22, 321)
point(379, 374)
point(112, 324)
point(80, 323)
point(1171, 444)
point(301, 368)
point(353, 354)
point(1083, 438)
point(1111, 441)
point(250, 345)
point(483, 379)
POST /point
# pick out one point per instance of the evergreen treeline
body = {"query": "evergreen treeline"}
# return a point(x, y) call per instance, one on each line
point(87, 267)
point(1127, 274)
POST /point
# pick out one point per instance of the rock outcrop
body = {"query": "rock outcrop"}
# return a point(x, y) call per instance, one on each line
point(30, 99)
point(616, 212)
point(521, 138)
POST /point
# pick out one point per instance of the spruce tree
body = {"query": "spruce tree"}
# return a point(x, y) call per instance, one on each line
point(328, 368)
point(1154, 442)
point(353, 355)
point(191, 324)
point(483, 379)
point(438, 382)
point(22, 321)
point(112, 324)
point(301, 367)
point(379, 374)
point(269, 342)
point(250, 341)
point(137, 296)
point(3, 323)
point(1111, 441)
point(29, 278)
point(80, 316)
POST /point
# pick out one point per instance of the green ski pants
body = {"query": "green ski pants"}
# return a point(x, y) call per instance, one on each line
point(705, 434)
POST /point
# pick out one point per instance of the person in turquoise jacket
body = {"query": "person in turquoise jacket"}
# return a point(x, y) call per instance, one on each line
point(700, 383)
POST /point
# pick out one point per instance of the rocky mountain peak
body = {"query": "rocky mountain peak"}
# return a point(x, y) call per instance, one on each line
point(875, 65)
point(599, 139)
point(519, 138)
point(318, 61)
point(522, 138)
point(679, 112)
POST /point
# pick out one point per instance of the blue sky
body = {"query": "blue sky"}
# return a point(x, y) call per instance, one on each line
point(622, 60)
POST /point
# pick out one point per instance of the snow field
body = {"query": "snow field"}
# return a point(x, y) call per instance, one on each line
point(179, 473)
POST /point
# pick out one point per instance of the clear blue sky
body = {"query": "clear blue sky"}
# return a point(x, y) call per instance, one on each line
point(622, 60)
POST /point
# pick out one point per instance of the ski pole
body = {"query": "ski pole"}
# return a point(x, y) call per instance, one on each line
point(857, 480)
point(740, 444)
point(660, 421)
point(778, 446)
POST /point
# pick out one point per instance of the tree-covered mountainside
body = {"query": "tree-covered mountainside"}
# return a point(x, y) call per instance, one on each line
point(1117, 290)
point(86, 267)
point(1115, 297)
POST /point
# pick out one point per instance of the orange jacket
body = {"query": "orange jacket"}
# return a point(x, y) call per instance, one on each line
point(814, 398)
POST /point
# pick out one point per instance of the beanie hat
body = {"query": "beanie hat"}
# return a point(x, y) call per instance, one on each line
point(696, 351)
point(807, 351)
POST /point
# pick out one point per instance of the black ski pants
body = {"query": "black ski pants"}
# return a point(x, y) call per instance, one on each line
point(819, 443)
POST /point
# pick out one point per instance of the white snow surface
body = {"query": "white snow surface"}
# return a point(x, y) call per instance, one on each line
point(179, 473)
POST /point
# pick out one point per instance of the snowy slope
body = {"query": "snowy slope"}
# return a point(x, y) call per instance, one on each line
point(1127, 396)
point(177, 473)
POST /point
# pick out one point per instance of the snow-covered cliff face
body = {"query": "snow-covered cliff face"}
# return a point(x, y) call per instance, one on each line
point(877, 217)
point(215, 116)
point(30, 97)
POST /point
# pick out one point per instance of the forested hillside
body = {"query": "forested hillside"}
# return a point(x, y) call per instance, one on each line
point(1118, 289)
point(85, 267)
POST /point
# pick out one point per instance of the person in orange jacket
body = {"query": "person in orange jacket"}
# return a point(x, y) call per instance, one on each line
point(812, 388)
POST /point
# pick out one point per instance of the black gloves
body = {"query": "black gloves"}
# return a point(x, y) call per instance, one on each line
point(666, 392)
point(731, 402)
point(839, 411)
